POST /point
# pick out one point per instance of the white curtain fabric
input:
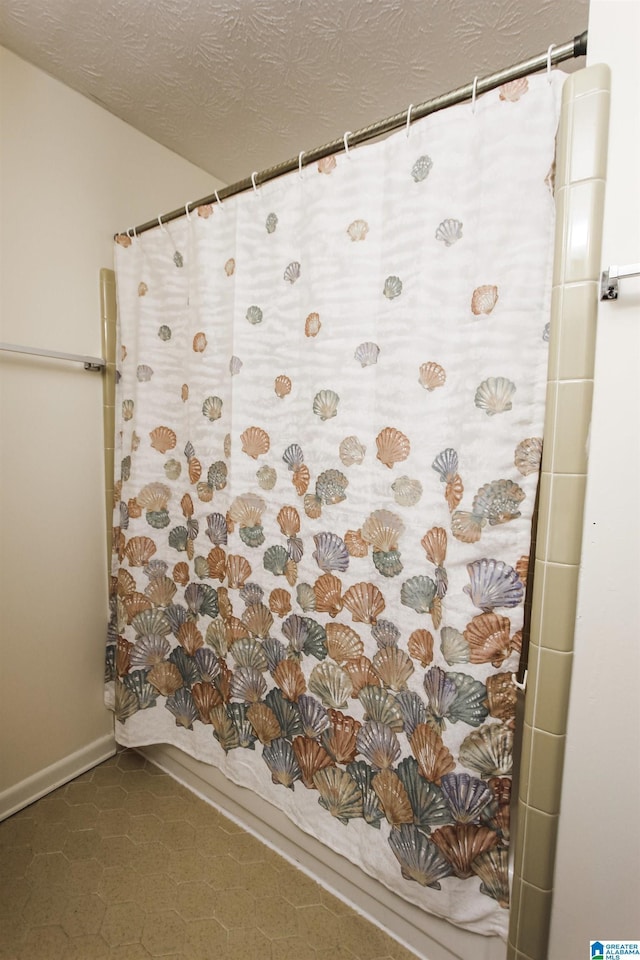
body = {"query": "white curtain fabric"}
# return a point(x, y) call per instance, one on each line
point(331, 396)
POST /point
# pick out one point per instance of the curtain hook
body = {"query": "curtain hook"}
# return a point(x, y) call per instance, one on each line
point(218, 200)
point(549, 62)
point(409, 118)
point(161, 225)
point(300, 156)
point(187, 213)
point(473, 95)
point(346, 145)
point(253, 180)
point(135, 235)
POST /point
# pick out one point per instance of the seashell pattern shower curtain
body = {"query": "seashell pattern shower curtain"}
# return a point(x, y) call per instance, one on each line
point(331, 396)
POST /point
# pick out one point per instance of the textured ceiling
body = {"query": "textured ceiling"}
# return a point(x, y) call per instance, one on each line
point(238, 85)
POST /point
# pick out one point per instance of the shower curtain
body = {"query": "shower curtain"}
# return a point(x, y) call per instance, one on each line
point(331, 395)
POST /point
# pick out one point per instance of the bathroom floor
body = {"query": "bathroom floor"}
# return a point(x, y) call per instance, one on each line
point(125, 863)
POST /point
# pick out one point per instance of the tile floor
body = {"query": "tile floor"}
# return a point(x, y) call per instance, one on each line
point(125, 864)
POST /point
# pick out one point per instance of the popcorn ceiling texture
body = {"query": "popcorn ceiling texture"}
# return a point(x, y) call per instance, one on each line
point(238, 85)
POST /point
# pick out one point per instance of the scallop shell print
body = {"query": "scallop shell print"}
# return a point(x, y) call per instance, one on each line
point(432, 375)
point(406, 491)
point(495, 395)
point(367, 353)
point(358, 230)
point(484, 299)
point(528, 455)
point(254, 315)
point(325, 404)
point(419, 857)
point(393, 446)
point(421, 168)
point(351, 451)
point(392, 287)
point(292, 272)
point(449, 232)
point(493, 584)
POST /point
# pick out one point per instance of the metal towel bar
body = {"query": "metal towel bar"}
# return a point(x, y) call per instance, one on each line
point(610, 277)
point(96, 364)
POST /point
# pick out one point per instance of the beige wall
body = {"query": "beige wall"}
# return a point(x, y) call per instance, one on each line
point(71, 176)
point(597, 881)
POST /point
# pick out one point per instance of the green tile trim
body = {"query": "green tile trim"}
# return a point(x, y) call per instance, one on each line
point(541, 769)
point(553, 611)
point(535, 920)
point(550, 674)
point(539, 862)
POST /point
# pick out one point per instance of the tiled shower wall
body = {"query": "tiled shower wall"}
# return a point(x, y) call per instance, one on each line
point(579, 192)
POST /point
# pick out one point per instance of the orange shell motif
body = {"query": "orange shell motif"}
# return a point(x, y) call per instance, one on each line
point(434, 544)
point(513, 90)
point(501, 697)
point(340, 738)
point(205, 210)
point(199, 343)
point(328, 592)
point(124, 240)
point(311, 757)
point(420, 646)
point(432, 375)
point(462, 843)
point(488, 638)
point(280, 602)
point(343, 643)
point(484, 299)
point(362, 674)
point(126, 583)
point(205, 697)
point(289, 521)
point(255, 442)
point(137, 602)
point(325, 165)
point(521, 568)
point(225, 608)
point(162, 439)
point(282, 386)
point(454, 492)
point(356, 546)
point(289, 677)
point(238, 571)
point(393, 797)
point(393, 446)
point(123, 656)
point(300, 479)
point(139, 551)
point(190, 638)
point(264, 722)
point(230, 267)
point(217, 562)
point(166, 678)
point(312, 325)
point(394, 667)
point(365, 602)
point(434, 759)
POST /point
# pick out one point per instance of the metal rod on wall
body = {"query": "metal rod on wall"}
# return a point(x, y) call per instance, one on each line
point(556, 54)
point(90, 363)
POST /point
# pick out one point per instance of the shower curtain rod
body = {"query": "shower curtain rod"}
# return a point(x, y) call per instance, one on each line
point(556, 54)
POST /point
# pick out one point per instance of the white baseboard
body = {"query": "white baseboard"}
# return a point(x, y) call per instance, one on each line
point(429, 937)
point(27, 791)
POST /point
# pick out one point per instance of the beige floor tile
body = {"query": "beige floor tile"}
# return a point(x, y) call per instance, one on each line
point(83, 916)
point(164, 933)
point(44, 943)
point(276, 917)
point(123, 923)
point(293, 948)
point(87, 948)
point(125, 864)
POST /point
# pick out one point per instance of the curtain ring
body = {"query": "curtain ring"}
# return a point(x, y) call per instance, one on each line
point(135, 235)
point(218, 200)
point(473, 95)
point(253, 180)
point(409, 118)
point(161, 225)
point(549, 62)
point(346, 145)
point(186, 211)
point(300, 156)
